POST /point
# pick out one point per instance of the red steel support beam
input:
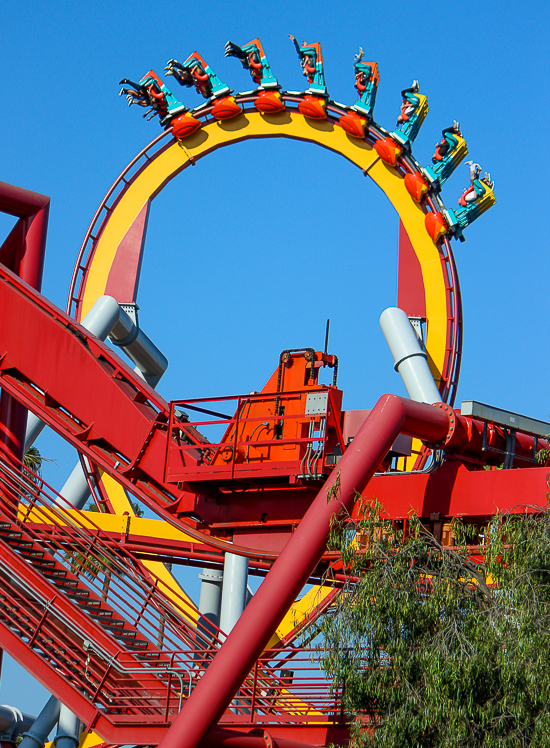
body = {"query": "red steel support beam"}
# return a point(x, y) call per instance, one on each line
point(23, 253)
point(258, 738)
point(229, 668)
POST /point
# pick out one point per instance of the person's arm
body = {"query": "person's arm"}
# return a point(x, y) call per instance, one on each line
point(293, 39)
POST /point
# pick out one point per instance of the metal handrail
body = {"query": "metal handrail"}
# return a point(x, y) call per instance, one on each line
point(192, 659)
point(85, 543)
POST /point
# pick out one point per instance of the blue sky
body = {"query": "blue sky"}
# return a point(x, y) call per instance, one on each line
point(252, 250)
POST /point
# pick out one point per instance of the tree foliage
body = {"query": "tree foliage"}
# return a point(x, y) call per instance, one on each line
point(445, 646)
point(32, 460)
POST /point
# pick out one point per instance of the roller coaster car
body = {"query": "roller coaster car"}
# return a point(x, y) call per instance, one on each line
point(195, 71)
point(152, 92)
point(410, 120)
point(311, 60)
point(366, 83)
point(253, 59)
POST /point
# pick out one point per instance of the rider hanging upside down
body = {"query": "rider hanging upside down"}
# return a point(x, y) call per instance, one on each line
point(448, 142)
point(410, 102)
point(157, 101)
point(201, 81)
point(255, 67)
point(477, 187)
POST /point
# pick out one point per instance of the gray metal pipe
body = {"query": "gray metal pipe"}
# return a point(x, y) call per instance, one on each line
point(34, 429)
point(234, 590)
point(75, 490)
point(13, 722)
point(409, 356)
point(107, 318)
point(36, 735)
point(68, 731)
point(99, 321)
point(234, 600)
point(209, 607)
point(102, 317)
point(211, 596)
point(150, 362)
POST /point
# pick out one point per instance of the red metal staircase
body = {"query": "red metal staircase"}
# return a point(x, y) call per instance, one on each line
point(123, 656)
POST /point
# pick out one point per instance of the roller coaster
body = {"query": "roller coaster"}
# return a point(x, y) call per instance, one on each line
point(236, 485)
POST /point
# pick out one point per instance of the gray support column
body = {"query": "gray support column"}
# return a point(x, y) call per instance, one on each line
point(107, 318)
point(68, 732)
point(211, 596)
point(99, 321)
point(409, 356)
point(75, 490)
point(234, 600)
point(234, 590)
point(34, 429)
point(102, 317)
point(209, 609)
point(149, 362)
point(35, 737)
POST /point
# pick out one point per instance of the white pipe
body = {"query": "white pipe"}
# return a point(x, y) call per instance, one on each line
point(409, 356)
point(234, 590)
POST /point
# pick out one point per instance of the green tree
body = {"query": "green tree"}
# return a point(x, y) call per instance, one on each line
point(32, 471)
point(32, 460)
point(443, 646)
point(92, 567)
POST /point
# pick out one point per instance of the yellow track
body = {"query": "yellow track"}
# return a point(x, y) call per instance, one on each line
point(177, 156)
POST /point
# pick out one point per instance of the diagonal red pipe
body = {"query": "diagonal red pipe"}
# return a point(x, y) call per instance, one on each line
point(216, 689)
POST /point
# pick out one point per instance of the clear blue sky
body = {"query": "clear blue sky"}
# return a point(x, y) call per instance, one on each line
point(249, 252)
